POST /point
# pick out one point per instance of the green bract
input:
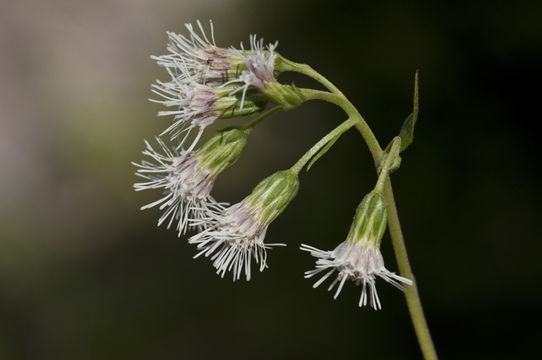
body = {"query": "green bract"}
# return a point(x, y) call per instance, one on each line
point(223, 150)
point(287, 97)
point(271, 196)
point(228, 102)
point(370, 220)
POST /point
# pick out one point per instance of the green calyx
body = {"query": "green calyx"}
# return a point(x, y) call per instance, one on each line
point(223, 150)
point(287, 97)
point(228, 104)
point(370, 220)
point(271, 196)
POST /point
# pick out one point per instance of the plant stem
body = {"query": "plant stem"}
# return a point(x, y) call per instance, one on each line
point(284, 64)
point(353, 113)
point(263, 116)
point(321, 143)
point(392, 155)
point(411, 294)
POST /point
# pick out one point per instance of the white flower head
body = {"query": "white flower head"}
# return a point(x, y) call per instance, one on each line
point(187, 177)
point(260, 63)
point(198, 57)
point(358, 258)
point(193, 105)
point(198, 106)
point(260, 66)
point(235, 237)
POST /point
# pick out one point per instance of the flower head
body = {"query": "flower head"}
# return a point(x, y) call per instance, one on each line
point(260, 73)
point(236, 235)
point(358, 258)
point(198, 106)
point(187, 177)
point(259, 63)
point(198, 57)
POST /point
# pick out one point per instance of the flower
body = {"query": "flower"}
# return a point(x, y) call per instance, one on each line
point(260, 74)
point(358, 258)
point(198, 105)
point(202, 86)
point(259, 63)
point(199, 58)
point(187, 177)
point(236, 235)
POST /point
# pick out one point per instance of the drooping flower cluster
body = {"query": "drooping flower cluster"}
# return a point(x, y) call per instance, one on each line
point(358, 258)
point(207, 83)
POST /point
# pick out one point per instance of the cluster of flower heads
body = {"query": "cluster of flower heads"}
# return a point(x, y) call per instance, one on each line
point(207, 83)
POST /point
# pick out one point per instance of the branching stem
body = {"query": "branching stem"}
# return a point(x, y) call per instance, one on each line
point(263, 116)
point(321, 143)
point(412, 296)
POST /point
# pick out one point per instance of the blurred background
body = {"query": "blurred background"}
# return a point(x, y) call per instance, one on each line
point(84, 274)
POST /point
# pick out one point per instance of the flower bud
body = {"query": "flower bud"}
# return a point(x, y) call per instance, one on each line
point(286, 96)
point(222, 150)
point(370, 221)
point(271, 196)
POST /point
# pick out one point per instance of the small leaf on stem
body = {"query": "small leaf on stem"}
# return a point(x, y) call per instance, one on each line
point(407, 130)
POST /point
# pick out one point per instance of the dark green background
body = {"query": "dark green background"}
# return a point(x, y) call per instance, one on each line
point(85, 275)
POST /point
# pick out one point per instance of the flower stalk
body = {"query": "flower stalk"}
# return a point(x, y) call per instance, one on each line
point(333, 134)
point(335, 96)
point(207, 83)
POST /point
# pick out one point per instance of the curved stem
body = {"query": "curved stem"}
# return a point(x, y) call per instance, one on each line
point(392, 155)
point(412, 296)
point(263, 116)
point(284, 64)
point(321, 143)
point(353, 113)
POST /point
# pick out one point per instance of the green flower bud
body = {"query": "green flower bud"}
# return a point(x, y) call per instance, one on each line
point(271, 196)
point(222, 150)
point(286, 96)
point(370, 221)
point(227, 103)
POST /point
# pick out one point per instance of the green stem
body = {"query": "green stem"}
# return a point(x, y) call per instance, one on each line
point(392, 155)
point(321, 143)
point(353, 113)
point(263, 116)
point(284, 64)
point(412, 296)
